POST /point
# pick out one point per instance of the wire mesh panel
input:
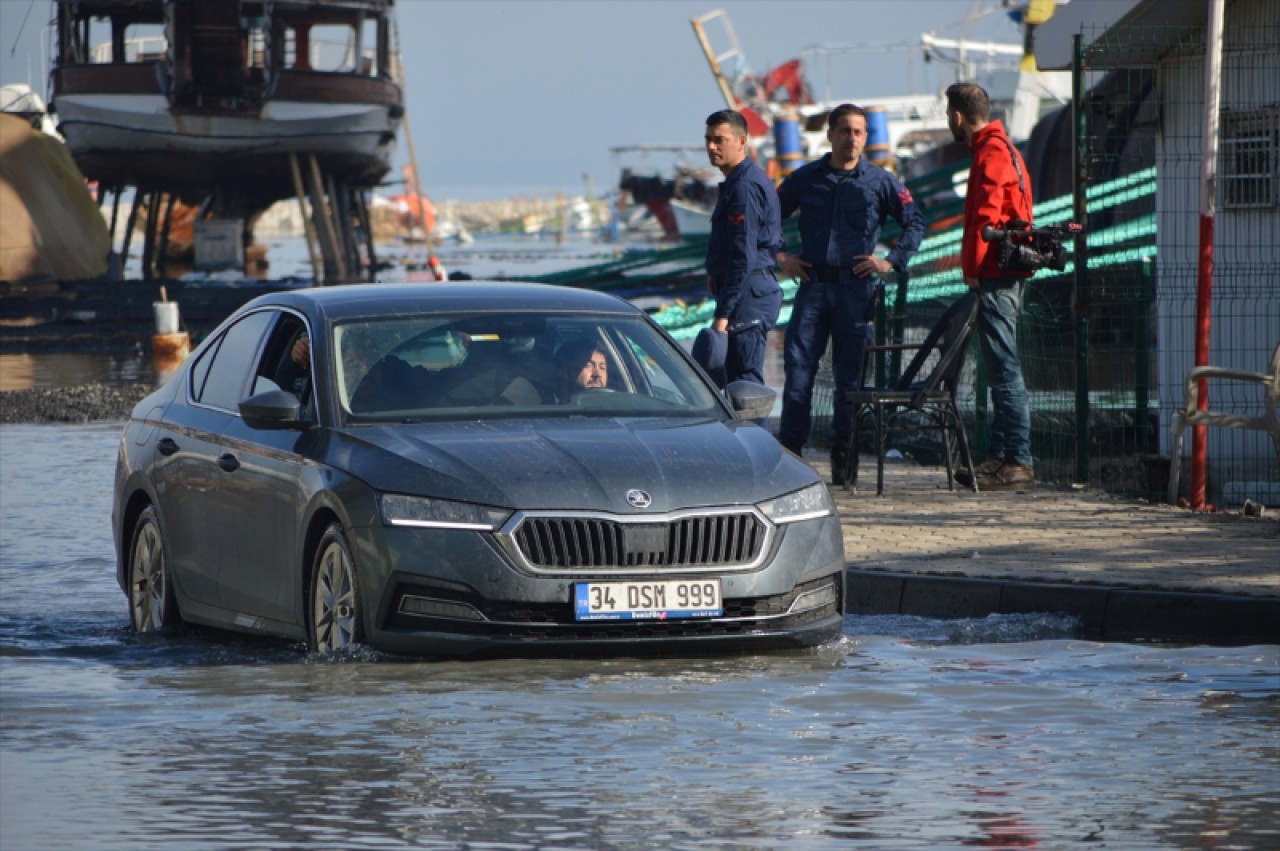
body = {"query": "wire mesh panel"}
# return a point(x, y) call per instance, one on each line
point(1244, 305)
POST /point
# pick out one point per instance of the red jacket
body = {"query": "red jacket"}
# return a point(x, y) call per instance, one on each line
point(993, 198)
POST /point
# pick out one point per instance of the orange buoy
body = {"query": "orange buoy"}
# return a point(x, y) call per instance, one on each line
point(168, 351)
point(437, 268)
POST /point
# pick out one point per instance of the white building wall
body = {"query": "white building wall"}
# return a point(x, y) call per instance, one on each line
point(1246, 253)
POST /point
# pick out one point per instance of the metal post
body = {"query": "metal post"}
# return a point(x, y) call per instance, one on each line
point(882, 332)
point(115, 219)
point(1204, 270)
point(334, 267)
point(308, 226)
point(1080, 297)
point(982, 425)
point(899, 318)
point(149, 235)
point(130, 224)
point(166, 224)
point(361, 200)
point(1142, 357)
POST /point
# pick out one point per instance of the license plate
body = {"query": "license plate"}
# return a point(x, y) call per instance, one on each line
point(658, 600)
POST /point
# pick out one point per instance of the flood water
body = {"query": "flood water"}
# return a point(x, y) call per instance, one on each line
point(905, 733)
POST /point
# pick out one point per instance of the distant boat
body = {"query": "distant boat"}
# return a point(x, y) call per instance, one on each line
point(208, 99)
point(691, 219)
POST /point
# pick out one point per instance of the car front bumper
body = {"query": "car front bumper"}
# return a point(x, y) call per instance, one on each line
point(450, 593)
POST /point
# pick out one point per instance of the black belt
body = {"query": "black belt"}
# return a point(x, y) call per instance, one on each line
point(826, 274)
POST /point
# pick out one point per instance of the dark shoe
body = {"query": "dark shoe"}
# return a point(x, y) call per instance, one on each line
point(1010, 477)
point(839, 460)
point(986, 469)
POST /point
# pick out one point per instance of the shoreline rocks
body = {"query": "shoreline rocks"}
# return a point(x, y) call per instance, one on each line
point(79, 404)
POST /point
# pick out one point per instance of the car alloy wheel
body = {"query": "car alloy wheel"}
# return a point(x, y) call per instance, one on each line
point(152, 605)
point(335, 615)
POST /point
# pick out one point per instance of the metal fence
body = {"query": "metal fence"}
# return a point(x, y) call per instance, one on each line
point(1106, 346)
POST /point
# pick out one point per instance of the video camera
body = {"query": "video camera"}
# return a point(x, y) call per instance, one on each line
point(1024, 248)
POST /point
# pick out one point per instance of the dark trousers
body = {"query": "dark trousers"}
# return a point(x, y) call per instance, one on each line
point(823, 310)
point(755, 315)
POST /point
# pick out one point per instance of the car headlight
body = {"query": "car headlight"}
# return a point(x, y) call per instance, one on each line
point(805, 504)
point(400, 510)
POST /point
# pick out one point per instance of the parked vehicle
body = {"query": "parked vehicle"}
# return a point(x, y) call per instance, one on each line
point(432, 480)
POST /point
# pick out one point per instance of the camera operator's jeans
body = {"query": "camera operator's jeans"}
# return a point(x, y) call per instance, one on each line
point(999, 301)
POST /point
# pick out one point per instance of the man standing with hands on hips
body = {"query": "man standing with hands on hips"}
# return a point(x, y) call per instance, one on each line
point(843, 202)
point(746, 232)
point(999, 192)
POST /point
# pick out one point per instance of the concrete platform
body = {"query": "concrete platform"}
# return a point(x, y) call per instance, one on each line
point(1129, 570)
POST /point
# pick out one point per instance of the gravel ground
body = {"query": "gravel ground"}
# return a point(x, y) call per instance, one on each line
point(82, 404)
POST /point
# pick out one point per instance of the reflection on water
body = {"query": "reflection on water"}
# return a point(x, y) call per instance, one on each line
point(905, 733)
point(66, 369)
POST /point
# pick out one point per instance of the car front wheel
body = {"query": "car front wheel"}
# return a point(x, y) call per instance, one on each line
point(152, 605)
point(335, 612)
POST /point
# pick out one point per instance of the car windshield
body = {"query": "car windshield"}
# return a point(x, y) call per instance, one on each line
point(452, 366)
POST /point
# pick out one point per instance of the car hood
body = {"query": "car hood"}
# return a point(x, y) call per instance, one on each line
point(577, 464)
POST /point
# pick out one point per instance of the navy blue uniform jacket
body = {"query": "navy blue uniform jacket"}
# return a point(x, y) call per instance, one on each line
point(841, 213)
point(746, 233)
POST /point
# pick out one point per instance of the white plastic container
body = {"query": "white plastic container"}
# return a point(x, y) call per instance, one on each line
point(166, 313)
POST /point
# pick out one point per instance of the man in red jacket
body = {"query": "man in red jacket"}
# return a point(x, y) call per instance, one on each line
point(999, 192)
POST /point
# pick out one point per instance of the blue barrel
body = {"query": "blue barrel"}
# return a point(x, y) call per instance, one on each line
point(878, 148)
point(788, 148)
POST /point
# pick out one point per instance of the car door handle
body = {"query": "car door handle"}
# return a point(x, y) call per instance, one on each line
point(229, 462)
point(167, 446)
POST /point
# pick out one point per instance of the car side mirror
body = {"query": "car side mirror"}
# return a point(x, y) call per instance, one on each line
point(751, 401)
point(273, 409)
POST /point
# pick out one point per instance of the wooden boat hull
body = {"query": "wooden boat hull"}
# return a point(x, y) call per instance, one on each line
point(121, 137)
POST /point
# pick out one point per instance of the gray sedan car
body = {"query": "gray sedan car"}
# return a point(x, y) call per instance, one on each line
point(469, 469)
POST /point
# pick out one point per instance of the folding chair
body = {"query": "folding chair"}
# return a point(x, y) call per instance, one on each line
point(931, 394)
point(1191, 415)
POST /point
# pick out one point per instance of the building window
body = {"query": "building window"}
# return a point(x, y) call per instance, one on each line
point(1250, 148)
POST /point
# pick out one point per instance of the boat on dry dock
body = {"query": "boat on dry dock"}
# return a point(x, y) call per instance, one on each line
point(212, 97)
point(232, 105)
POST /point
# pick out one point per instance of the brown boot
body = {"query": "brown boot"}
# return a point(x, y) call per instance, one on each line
point(986, 469)
point(1010, 477)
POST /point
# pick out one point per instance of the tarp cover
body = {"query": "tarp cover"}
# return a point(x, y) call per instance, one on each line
point(50, 226)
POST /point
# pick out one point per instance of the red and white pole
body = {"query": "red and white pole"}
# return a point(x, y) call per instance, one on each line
point(1204, 269)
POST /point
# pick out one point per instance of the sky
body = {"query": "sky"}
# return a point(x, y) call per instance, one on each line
point(522, 98)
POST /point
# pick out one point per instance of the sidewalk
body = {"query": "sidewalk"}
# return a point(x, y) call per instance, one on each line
point(1126, 568)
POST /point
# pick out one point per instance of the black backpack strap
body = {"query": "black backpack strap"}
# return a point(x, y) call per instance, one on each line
point(1017, 164)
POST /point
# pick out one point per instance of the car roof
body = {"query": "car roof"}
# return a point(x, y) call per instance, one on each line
point(365, 300)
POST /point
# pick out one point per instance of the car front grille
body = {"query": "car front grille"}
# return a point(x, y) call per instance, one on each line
point(732, 539)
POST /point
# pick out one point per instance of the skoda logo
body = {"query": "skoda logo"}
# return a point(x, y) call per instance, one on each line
point(638, 499)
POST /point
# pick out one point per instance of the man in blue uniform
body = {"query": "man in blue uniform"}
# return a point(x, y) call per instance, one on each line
point(843, 202)
point(746, 233)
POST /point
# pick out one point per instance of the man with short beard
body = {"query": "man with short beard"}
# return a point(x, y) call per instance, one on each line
point(999, 192)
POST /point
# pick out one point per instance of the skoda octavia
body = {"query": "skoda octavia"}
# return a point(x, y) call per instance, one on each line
point(472, 469)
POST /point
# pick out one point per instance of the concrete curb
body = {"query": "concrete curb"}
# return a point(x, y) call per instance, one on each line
point(1106, 613)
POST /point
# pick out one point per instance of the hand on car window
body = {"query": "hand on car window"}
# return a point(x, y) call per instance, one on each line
point(301, 354)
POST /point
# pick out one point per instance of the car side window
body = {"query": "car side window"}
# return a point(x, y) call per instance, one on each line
point(277, 370)
point(231, 363)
